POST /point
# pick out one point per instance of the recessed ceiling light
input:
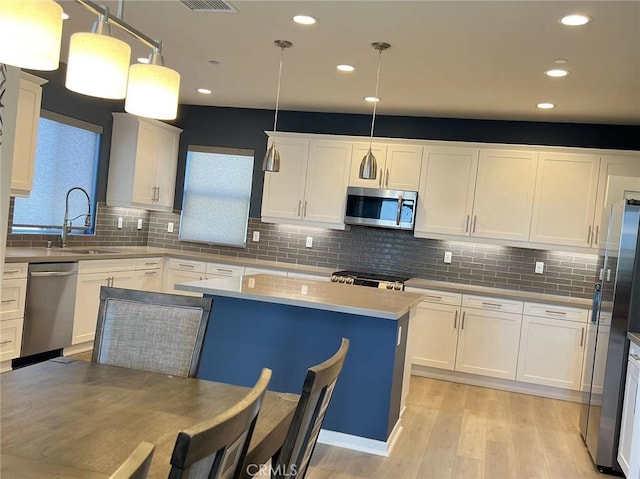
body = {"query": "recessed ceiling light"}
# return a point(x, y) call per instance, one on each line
point(143, 59)
point(575, 20)
point(545, 106)
point(204, 91)
point(560, 61)
point(346, 68)
point(371, 99)
point(556, 73)
point(65, 16)
point(304, 20)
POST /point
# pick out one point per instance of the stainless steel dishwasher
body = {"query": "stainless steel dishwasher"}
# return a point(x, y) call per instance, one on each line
point(48, 315)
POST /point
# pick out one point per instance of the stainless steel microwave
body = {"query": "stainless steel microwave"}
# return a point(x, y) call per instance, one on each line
point(382, 208)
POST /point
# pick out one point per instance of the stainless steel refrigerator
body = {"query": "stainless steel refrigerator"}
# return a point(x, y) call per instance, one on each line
point(616, 310)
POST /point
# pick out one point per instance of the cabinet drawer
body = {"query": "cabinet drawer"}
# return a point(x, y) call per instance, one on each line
point(550, 311)
point(105, 266)
point(492, 304)
point(12, 300)
point(10, 339)
point(219, 269)
point(15, 270)
point(187, 265)
point(434, 296)
point(148, 263)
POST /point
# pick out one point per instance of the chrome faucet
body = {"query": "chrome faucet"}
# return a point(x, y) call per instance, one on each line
point(66, 225)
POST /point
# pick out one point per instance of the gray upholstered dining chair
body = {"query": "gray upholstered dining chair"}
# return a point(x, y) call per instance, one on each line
point(293, 458)
point(137, 464)
point(216, 449)
point(156, 332)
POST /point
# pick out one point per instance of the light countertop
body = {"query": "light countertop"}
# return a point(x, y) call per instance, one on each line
point(634, 338)
point(360, 300)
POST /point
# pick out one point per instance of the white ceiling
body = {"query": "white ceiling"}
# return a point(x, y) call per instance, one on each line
point(463, 59)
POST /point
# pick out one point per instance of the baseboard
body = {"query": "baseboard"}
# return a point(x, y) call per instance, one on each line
point(362, 444)
point(497, 383)
point(78, 348)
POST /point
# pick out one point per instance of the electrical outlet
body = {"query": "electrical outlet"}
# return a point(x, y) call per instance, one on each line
point(256, 236)
point(309, 243)
point(170, 227)
point(447, 256)
point(120, 222)
point(539, 267)
point(139, 223)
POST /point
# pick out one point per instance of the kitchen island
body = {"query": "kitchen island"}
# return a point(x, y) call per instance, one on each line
point(289, 325)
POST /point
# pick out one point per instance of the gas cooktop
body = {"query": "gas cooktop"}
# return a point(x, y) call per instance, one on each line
point(376, 280)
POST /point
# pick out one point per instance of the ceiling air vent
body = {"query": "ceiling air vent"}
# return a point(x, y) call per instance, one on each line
point(208, 5)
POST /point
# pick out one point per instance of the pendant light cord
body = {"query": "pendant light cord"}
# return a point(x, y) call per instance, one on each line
point(275, 120)
point(375, 103)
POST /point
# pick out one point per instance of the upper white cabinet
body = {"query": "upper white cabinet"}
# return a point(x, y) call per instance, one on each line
point(565, 198)
point(142, 167)
point(447, 186)
point(24, 148)
point(398, 166)
point(310, 187)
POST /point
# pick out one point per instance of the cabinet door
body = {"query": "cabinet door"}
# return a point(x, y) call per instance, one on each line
point(565, 199)
point(503, 201)
point(433, 335)
point(326, 182)
point(148, 280)
point(283, 191)
point(123, 279)
point(445, 198)
point(166, 164)
point(175, 276)
point(24, 147)
point(145, 168)
point(488, 343)
point(12, 299)
point(403, 167)
point(10, 338)
point(612, 191)
point(627, 421)
point(85, 315)
point(359, 150)
point(551, 352)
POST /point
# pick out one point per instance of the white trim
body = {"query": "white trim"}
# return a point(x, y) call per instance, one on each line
point(77, 348)
point(359, 443)
point(497, 383)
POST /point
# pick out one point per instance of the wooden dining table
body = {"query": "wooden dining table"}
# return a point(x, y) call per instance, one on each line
point(67, 418)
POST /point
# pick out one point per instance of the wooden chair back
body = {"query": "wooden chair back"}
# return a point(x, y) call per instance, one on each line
point(152, 331)
point(216, 449)
point(293, 459)
point(137, 464)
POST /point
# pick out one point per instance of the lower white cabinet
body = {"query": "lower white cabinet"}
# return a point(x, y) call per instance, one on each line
point(433, 335)
point(184, 271)
point(629, 443)
point(12, 301)
point(148, 274)
point(10, 339)
point(92, 275)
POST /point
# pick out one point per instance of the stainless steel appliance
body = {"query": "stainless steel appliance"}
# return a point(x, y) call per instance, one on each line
point(48, 315)
point(374, 280)
point(381, 208)
point(616, 300)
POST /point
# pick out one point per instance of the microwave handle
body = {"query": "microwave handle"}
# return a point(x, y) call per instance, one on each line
point(400, 201)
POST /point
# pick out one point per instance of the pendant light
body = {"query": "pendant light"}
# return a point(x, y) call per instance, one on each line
point(369, 165)
point(98, 63)
point(272, 156)
point(152, 90)
point(30, 33)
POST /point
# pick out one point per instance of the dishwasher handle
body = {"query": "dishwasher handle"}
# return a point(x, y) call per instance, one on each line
point(41, 274)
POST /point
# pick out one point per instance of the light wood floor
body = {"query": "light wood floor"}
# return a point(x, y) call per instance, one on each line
point(466, 432)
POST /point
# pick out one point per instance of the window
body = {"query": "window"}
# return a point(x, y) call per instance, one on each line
point(66, 156)
point(217, 191)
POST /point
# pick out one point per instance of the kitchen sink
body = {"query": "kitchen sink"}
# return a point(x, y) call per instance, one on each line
point(89, 251)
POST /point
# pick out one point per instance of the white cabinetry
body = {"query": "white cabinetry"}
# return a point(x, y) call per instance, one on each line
point(310, 187)
point(398, 166)
point(552, 345)
point(184, 271)
point(447, 186)
point(142, 166)
point(92, 275)
point(26, 136)
point(148, 274)
point(14, 287)
point(433, 330)
point(565, 199)
point(216, 270)
point(629, 444)
point(489, 337)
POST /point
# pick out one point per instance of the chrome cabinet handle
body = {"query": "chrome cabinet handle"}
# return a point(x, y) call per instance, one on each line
point(6, 341)
point(582, 336)
point(380, 180)
point(466, 225)
point(433, 296)
point(455, 321)
point(495, 305)
point(45, 274)
point(463, 314)
point(550, 311)
point(595, 236)
point(473, 227)
point(589, 236)
point(224, 270)
point(304, 209)
point(8, 271)
point(399, 210)
point(386, 184)
point(299, 206)
point(183, 265)
point(5, 301)
point(150, 272)
point(151, 263)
